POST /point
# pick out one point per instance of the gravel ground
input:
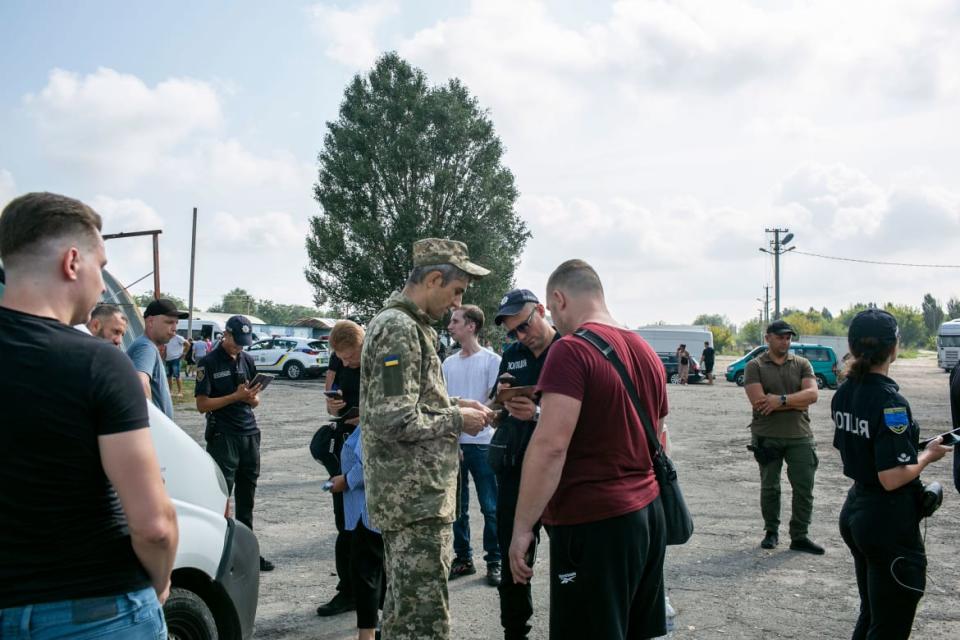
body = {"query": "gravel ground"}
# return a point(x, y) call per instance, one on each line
point(721, 583)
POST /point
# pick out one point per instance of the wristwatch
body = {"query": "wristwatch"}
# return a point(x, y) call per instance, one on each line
point(783, 399)
point(536, 414)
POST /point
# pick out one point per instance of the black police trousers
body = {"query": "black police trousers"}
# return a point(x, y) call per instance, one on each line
point(238, 457)
point(516, 600)
point(882, 530)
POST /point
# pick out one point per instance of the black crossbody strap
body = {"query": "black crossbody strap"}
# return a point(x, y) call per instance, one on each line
point(653, 442)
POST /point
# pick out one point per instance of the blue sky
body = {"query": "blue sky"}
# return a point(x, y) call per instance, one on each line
point(655, 139)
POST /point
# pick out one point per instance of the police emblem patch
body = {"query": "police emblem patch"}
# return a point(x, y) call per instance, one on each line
point(200, 374)
point(503, 301)
point(903, 458)
point(245, 328)
point(896, 419)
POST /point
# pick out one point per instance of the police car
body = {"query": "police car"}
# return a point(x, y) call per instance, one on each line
point(293, 357)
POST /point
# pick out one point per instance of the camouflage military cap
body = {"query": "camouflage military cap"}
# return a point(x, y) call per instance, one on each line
point(433, 251)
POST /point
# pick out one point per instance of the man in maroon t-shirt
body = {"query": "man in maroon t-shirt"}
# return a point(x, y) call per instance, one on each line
point(588, 472)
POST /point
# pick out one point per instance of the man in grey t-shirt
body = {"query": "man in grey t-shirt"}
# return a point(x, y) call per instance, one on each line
point(160, 325)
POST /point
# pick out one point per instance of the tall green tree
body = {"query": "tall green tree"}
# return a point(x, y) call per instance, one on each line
point(932, 314)
point(953, 308)
point(403, 161)
point(751, 333)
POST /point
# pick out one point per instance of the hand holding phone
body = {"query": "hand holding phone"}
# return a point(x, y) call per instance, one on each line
point(950, 438)
point(333, 393)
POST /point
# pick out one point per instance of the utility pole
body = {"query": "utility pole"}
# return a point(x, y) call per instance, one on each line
point(766, 304)
point(193, 261)
point(777, 249)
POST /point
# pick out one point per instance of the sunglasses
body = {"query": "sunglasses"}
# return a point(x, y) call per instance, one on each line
point(524, 326)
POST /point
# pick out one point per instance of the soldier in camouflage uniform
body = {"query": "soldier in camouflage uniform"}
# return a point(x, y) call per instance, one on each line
point(410, 433)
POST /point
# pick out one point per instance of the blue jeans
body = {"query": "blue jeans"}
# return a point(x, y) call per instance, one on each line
point(136, 615)
point(475, 464)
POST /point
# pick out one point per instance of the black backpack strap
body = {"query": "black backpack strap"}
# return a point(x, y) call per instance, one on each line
point(653, 442)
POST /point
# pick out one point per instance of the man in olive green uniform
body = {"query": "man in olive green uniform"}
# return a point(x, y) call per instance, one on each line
point(410, 431)
point(780, 386)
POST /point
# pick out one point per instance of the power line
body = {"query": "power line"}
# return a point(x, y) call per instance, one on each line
point(892, 264)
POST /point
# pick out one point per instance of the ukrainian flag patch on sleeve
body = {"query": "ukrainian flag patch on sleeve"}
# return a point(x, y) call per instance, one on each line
point(392, 376)
point(896, 419)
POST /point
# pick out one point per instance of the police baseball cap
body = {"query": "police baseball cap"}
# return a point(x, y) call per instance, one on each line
point(241, 330)
point(781, 327)
point(874, 323)
point(433, 251)
point(164, 307)
point(513, 303)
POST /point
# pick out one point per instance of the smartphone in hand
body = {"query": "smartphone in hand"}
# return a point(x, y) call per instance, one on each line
point(333, 394)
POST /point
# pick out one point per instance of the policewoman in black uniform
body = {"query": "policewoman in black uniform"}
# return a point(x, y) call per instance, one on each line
point(224, 394)
point(879, 443)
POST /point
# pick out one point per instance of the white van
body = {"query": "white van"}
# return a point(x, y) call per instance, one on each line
point(948, 345)
point(666, 338)
point(216, 574)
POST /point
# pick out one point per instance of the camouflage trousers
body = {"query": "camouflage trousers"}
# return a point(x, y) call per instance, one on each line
point(417, 559)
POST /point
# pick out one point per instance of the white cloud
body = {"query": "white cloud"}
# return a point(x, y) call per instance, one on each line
point(350, 35)
point(272, 231)
point(130, 258)
point(113, 123)
point(8, 188)
point(838, 200)
point(837, 204)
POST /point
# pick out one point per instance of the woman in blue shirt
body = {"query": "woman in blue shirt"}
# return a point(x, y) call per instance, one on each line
point(366, 543)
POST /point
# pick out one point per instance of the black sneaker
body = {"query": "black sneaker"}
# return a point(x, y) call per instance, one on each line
point(462, 567)
point(770, 541)
point(337, 605)
point(806, 545)
point(265, 565)
point(493, 574)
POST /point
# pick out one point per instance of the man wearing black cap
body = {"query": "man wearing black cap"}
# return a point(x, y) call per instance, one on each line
point(780, 386)
point(223, 393)
point(160, 325)
point(523, 317)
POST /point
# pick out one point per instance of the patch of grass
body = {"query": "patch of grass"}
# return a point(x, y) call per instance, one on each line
point(188, 385)
point(908, 353)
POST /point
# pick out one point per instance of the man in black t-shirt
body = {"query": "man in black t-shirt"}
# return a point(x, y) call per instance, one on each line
point(707, 360)
point(88, 530)
point(224, 393)
point(522, 315)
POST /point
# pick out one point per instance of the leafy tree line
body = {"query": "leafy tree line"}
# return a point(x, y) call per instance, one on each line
point(918, 325)
point(239, 301)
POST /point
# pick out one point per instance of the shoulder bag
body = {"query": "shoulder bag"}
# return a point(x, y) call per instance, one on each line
point(679, 523)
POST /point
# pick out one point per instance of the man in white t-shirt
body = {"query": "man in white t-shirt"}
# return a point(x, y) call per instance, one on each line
point(471, 373)
point(172, 362)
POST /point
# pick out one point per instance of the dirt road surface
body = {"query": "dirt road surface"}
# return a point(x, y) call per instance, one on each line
point(721, 583)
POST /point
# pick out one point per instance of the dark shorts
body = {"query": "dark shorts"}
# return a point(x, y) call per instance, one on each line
point(612, 569)
point(708, 367)
point(173, 368)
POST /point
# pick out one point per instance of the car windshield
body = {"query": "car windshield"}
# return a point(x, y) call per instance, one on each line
point(949, 341)
point(316, 345)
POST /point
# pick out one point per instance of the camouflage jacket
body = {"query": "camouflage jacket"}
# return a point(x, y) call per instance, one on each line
point(410, 424)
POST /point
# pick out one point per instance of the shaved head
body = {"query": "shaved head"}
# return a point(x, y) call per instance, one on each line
point(575, 277)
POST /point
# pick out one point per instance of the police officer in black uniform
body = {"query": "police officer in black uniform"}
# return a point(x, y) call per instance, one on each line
point(233, 438)
point(522, 316)
point(879, 443)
